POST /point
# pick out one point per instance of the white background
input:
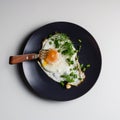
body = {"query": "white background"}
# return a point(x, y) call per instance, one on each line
point(101, 18)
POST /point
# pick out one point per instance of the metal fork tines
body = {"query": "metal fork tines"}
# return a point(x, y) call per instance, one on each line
point(43, 54)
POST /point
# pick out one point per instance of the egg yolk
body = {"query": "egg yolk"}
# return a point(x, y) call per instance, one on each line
point(52, 56)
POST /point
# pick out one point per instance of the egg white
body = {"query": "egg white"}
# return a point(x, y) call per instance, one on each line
point(60, 67)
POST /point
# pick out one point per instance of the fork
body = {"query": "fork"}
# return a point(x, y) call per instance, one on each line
point(27, 57)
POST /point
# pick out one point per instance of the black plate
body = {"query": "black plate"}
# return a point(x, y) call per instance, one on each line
point(44, 86)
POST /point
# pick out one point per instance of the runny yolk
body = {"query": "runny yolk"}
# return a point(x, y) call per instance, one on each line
point(52, 56)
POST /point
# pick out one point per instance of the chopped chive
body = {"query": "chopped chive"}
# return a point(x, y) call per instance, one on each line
point(71, 74)
point(72, 62)
point(56, 43)
point(50, 35)
point(79, 48)
point(59, 50)
point(65, 52)
point(84, 69)
point(88, 65)
point(68, 49)
point(75, 51)
point(52, 39)
point(70, 69)
point(80, 78)
point(67, 78)
point(50, 42)
point(70, 80)
point(75, 76)
point(62, 83)
point(79, 40)
point(81, 66)
point(75, 68)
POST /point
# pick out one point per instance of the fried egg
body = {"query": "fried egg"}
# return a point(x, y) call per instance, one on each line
point(61, 63)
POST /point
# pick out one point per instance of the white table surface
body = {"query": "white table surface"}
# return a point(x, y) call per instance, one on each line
point(101, 18)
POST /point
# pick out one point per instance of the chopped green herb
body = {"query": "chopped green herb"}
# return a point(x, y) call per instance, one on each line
point(72, 62)
point(58, 50)
point(80, 45)
point(50, 35)
point(67, 78)
point(56, 43)
point(69, 61)
point(79, 40)
point(67, 49)
point(84, 69)
point(64, 36)
point(70, 80)
point(65, 52)
point(80, 78)
point(81, 66)
point(52, 39)
point(75, 68)
point(79, 48)
point(88, 65)
point(70, 69)
point(63, 76)
point(62, 83)
point(76, 51)
point(76, 58)
point(60, 40)
point(50, 42)
point(73, 75)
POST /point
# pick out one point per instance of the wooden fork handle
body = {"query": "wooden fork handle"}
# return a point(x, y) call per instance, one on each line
point(20, 58)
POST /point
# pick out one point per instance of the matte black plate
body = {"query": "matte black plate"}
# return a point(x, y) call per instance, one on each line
point(44, 86)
